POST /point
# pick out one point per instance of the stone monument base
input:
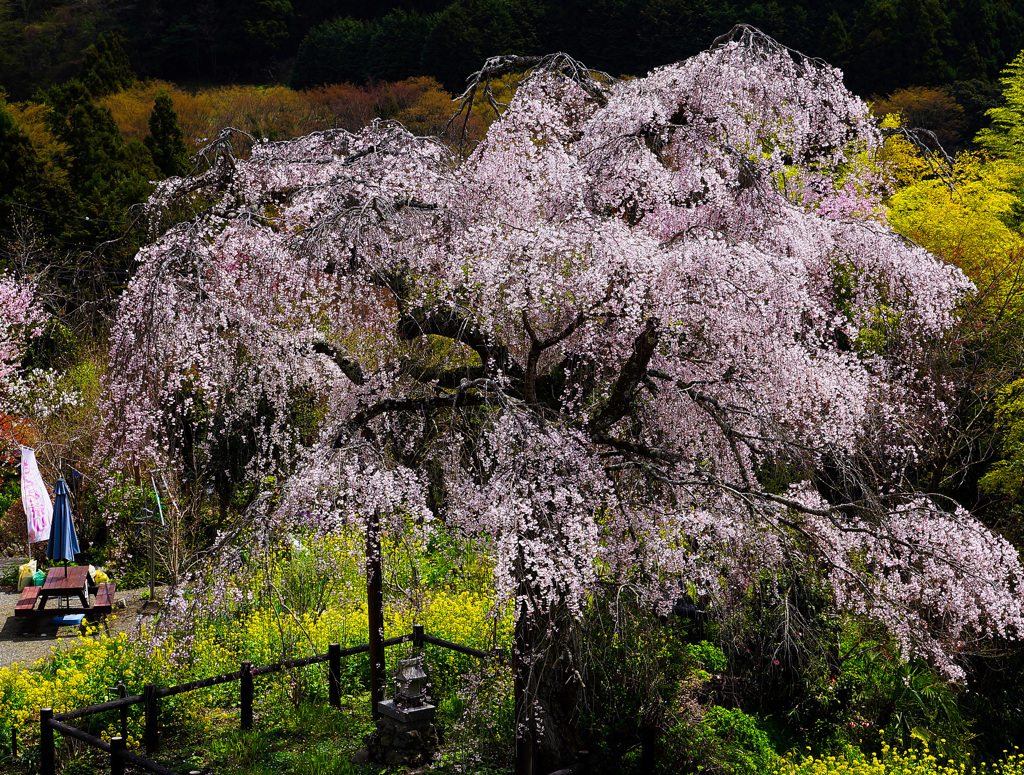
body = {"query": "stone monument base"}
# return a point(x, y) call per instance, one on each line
point(404, 738)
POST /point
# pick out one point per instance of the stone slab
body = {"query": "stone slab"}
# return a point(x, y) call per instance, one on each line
point(422, 713)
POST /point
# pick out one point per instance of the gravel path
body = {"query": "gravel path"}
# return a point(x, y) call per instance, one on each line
point(19, 642)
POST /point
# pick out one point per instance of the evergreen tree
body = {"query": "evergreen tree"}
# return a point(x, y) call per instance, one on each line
point(924, 40)
point(105, 67)
point(672, 30)
point(835, 44)
point(106, 173)
point(28, 185)
point(166, 141)
point(396, 45)
point(600, 33)
point(782, 19)
point(466, 33)
point(252, 34)
point(1006, 135)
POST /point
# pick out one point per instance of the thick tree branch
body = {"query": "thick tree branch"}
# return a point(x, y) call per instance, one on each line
point(350, 367)
point(640, 450)
point(631, 376)
point(460, 399)
point(444, 378)
point(538, 346)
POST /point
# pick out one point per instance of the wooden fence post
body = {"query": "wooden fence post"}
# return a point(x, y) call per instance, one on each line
point(334, 675)
point(116, 762)
point(47, 764)
point(122, 690)
point(245, 691)
point(417, 636)
point(152, 708)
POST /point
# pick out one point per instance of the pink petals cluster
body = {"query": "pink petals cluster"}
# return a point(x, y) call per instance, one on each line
point(582, 343)
point(21, 318)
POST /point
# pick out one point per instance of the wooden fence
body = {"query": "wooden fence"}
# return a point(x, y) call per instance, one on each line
point(49, 722)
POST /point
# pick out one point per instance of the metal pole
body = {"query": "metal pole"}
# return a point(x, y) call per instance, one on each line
point(47, 764)
point(417, 636)
point(116, 762)
point(522, 665)
point(375, 612)
point(152, 708)
point(152, 560)
point(245, 690)
point(14, 742)
point(334, 675)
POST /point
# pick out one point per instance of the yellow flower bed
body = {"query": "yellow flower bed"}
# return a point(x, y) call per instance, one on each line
point(74, 678)
point(893, 762)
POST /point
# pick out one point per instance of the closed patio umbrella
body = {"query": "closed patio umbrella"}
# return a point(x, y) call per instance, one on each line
point(63, 543)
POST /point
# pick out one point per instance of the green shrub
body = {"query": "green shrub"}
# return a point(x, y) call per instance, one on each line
point(708, 656)
point(744, 741)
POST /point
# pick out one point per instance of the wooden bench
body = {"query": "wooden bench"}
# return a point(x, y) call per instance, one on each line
point(27, 602)
point(103, 602)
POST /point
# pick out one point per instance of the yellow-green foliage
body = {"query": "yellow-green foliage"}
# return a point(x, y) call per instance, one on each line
point(966, 225)
point(75, 678)
point(1007, 475)
point(894, 762)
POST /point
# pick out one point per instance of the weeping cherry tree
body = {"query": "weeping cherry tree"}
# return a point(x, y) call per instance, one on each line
point(582, 345)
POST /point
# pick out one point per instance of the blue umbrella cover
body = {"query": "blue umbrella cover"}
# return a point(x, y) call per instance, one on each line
point(63, 543)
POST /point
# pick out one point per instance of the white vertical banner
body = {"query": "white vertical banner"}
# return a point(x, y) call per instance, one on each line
point(35, 498)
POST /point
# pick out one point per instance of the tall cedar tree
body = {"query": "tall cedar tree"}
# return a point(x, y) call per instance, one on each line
point(166, 141)
point(29, 188)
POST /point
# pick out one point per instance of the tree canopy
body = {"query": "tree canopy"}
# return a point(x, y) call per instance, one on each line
point(591, 344)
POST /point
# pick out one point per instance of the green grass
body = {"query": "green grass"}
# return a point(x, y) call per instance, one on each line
point(311, 738)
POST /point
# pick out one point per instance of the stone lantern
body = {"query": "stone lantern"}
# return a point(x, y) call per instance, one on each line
point(406, 735)
point(410, 684)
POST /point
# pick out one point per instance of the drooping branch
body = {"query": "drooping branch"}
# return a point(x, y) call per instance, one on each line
point(593, 82)
point(927, 144)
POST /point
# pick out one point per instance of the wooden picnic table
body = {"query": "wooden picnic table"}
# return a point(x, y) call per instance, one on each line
point(66, 583)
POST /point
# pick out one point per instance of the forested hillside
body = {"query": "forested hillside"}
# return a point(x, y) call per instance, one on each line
point(882, 45)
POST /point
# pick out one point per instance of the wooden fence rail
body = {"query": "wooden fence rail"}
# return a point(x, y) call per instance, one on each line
point(49, 722)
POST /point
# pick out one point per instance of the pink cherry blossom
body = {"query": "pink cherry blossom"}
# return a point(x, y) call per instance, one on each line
point(21, 319)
